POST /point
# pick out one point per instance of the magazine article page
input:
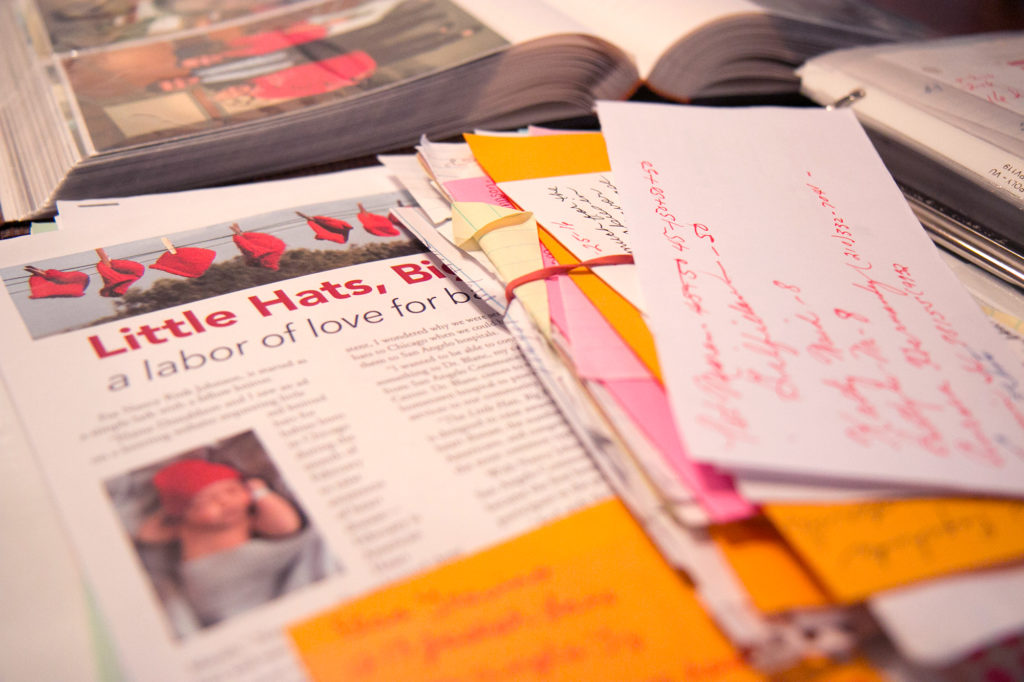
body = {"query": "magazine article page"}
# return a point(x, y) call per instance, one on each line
point(248, 421)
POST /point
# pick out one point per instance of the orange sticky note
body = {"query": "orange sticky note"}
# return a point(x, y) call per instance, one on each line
point(585, 598)
point(767, 567)
point(858, 549)
point(544, 156)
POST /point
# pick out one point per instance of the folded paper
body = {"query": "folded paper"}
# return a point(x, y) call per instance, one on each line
point(509, 239)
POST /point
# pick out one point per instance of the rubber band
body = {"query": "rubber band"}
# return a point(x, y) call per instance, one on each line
point(552, 270)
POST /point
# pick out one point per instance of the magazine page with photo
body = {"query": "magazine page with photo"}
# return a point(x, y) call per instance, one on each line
point(269, 415)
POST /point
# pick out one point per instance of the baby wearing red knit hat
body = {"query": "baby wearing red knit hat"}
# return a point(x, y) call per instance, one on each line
point(207, 507)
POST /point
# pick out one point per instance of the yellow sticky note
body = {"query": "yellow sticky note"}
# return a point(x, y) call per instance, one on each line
point(509, 240)
point(544, 156)
point(773, 576)
point(622, 315)
point(858, 549)
point(585, 598)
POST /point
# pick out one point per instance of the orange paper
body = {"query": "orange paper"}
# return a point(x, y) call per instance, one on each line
point(545, 156)
point(767, 567)
point(858, 549)
point(586, 598)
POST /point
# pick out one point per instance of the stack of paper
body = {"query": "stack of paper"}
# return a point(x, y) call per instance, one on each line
point(768, 359)
point(452, 527)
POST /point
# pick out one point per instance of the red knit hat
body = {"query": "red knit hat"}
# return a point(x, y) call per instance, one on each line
point(179, 482)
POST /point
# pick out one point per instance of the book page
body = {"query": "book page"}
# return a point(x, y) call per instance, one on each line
point(524, 21)
point(804, 321)
point(316, 362)
point(647, 29)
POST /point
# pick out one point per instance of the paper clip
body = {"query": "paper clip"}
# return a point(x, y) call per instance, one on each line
point(847, 100)
point(551, 271)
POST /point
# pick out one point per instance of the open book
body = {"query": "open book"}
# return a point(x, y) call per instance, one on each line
point(122, 97)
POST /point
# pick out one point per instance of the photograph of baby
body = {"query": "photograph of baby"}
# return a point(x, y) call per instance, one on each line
point(218, 532)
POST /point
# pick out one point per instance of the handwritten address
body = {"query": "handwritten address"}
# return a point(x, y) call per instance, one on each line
point(743, 350)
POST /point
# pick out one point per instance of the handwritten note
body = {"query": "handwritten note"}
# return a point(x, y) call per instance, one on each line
point(562, 603)
point(585, 598)
point(859, 549)
point(804, 322)
point(564, 180)
point(581, 211)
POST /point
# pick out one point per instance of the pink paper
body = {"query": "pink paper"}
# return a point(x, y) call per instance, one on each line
point(601, 355)
point(480, 188)
point(644, 400)
point(598, 352)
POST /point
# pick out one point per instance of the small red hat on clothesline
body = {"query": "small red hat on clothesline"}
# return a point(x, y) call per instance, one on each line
point(263, 250)
point(117, 274)
point(377, 224)
point(55, 283)
point(327, 228)
point(187, 261)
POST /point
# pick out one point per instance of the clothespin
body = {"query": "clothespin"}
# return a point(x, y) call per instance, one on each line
point(104, 258)
point(168, 245)
point(235, 228)
point(35, 271)
point(303, 215)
